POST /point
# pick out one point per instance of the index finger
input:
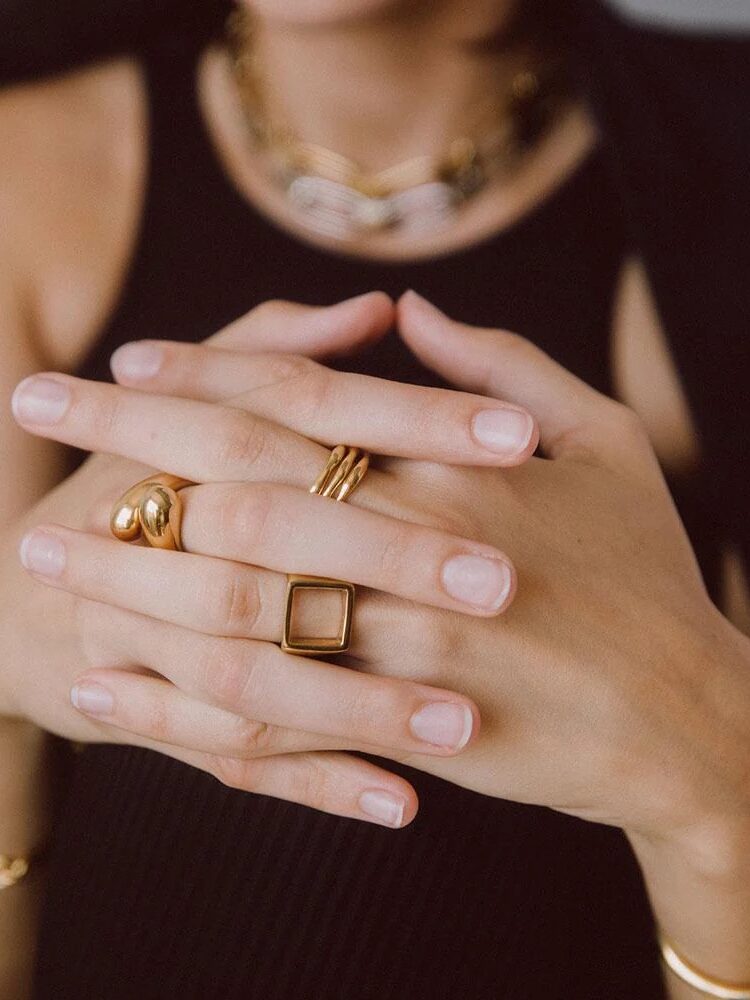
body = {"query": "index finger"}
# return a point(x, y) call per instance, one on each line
point(391, 418)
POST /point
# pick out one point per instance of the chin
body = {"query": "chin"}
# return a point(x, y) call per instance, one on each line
point(321, 12)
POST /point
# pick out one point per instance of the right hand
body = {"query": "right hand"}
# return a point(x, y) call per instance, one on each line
point(42, 646)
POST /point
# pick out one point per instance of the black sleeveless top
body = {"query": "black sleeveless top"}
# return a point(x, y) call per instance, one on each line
point(165, 884)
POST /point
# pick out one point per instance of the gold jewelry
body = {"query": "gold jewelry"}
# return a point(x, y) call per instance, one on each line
point(12, 870)
point(340, 199)
point(699, 980)
point(344, 471)
point(151, 510)
point(317, 646)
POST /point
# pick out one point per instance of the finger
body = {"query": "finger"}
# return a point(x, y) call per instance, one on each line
point(571, 415)
point(194, 440)
point(152, 708)
point(386, 417)
point(256, 680)
point(214, 596)
point(333, 783)
point(290, 531)
point(316, 331)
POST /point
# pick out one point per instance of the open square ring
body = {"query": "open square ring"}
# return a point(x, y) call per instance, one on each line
point(311, 645)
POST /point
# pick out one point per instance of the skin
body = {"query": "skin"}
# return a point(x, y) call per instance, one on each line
point(693, 846)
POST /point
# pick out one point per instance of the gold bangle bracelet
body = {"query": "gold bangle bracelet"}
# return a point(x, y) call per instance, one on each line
point(689, 974)
point(12, 870)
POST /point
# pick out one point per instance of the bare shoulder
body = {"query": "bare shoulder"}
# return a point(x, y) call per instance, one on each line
point(72, 170)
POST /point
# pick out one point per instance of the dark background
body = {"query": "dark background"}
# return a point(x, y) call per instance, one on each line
point(46, 36)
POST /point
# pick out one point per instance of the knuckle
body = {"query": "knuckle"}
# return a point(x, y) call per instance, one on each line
point(246, 512)
point(243, 442)
point(305, 384)
point(230, 674)
point(394, 551)
point(370, 703)
point(158, 722)
point(105, 411)
point(310, 783)
point(250, 738)
point(312, 389)
point(237, 602)
point(232, 772)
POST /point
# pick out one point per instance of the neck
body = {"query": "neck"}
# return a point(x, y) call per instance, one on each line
point(388, 88)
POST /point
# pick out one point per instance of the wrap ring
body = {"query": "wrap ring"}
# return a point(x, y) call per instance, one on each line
point(344, 471)
point(151, 510)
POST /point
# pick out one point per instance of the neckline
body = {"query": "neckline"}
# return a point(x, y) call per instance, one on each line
point(243, 206)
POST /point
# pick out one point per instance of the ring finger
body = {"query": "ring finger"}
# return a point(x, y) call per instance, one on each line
point(256, 680)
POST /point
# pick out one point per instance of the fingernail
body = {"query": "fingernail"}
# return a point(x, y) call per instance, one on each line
point(478, 580)
point(504, 431)
point(382, 806)
point(443, 724)
point(136, 361)
point(93, 699)
point(40, 400)
point(43, 553)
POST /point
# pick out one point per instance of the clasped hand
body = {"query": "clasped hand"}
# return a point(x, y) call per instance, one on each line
point(597, 664)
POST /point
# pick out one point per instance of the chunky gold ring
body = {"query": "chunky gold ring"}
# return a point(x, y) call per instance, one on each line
point(344, 471)
point(151, 510)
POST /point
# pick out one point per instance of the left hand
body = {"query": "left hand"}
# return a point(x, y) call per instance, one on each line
point(612, 689)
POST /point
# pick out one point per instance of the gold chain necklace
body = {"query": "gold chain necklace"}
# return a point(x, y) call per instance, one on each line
point(335, 197)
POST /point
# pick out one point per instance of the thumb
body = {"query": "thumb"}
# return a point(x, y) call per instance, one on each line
point(315, 331)
point(570, 414)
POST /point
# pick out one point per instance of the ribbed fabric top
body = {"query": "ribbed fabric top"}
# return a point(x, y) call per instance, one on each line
point(165, 884)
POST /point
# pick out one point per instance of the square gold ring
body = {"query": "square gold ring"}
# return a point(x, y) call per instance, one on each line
point(311, 645)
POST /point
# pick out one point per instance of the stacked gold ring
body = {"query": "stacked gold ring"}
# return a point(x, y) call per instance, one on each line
point(344, 471)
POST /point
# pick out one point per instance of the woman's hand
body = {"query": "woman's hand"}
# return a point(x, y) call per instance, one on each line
point(603, 691)
point(612, 689)
point(237, 705)
point(588, 687)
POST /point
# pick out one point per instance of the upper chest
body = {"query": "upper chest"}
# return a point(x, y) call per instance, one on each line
point(100, 270)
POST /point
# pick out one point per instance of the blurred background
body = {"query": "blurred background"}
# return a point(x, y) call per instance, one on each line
point(721, 15)
point(47, 35)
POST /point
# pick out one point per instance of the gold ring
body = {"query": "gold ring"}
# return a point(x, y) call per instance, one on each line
point(344, 471)
point(151, 510)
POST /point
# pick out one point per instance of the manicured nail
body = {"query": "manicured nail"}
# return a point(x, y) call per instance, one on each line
point(140, 360)
point(443, 724)
point(43, 553)
point(478, 580)
point(40, 400)
point(504, 431)
point(93, 699)
point(382, 806)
